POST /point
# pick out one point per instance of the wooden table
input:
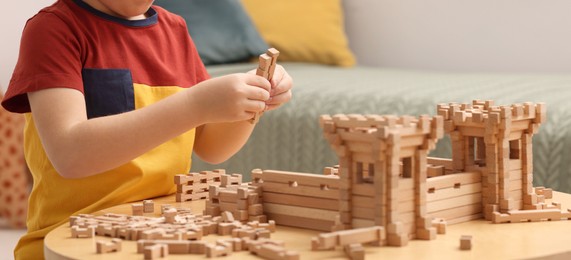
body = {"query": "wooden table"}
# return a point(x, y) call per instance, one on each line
point(490, 241)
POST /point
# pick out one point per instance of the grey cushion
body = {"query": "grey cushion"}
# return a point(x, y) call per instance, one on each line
point(221, 29)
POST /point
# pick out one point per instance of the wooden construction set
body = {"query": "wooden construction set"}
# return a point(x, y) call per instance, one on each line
point(385, 190)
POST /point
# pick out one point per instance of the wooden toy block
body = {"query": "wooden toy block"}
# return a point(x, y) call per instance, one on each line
point(227, 217)
point(236, 243)
point(225, 229)
point(137, 209)
point(440, 225)
point(218, 250)
point(529, 216)
point(253, 198)
point(229, 180)
point(355, 251)
point(106, 230)
point(180, 197)
point(103, 247)
point(397, 240)
point(260, 218)
point(270, 226)
point(264, 65)
point(77, 232)
point(273, 252)
point(466, 242)
point(547, 193)
point(164, 207)
point(256, 210)
point(346, 237)
point(148, 206)
point(426, 234)
point(156, 251)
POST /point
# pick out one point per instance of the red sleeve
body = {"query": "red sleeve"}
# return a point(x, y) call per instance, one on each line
point(49, 57)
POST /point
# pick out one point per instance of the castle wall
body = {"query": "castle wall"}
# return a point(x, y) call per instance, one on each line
point(301, 200)
point(456, 197)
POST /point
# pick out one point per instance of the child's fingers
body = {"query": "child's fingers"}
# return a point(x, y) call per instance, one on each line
point(283, 86)
point(280, 99)
point(258, 94)
point(254, 106)
point(257, 81)
point(272, 107)
point(279, 74)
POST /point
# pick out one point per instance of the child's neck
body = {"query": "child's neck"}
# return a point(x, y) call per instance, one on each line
point(103, 8)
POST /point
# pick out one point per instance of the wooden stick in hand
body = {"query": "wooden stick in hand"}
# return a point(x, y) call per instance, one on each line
point(266, 68)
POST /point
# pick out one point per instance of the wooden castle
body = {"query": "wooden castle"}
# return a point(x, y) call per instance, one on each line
point(385, 177)
point(383, 166)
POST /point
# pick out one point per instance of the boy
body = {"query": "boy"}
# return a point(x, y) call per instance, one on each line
point(119, 99)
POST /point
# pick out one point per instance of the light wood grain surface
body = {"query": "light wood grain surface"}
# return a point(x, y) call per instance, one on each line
point(490, 241)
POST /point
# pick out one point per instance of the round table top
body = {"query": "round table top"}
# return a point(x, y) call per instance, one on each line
point(489, 241)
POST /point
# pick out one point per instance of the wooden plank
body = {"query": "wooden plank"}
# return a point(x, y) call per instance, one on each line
point(364, 157)
point(516, 195)
point(407, 152)
point(302, 201)
point(515, 164)
point(519, 125)
point(516, 185)
point(320, 214)
point(407, 217)
point(515, 135)
point(433, 171)
point(406, 195)
point(412, 141)
point(410, 228)
point(464, 219)
point(473, 131)
point(363, 202)
point(452, 192)
point(301, 222)
point(364, 189)
point(406, 184)
point(303, 179)
point(447, 163)
point(360, 147)
point(516, 175)
point(364, 213)
point(448, 181)
point(301, 190)
point(406, 206)
point(453, 202)
point(457, 212)
point(357, 137)
point(361, 235)
point(361, 223)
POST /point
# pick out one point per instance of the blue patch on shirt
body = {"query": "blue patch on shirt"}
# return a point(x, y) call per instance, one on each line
point(108, 91)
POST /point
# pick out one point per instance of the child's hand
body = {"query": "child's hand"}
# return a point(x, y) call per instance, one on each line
point(230, 98)
point(281, 88)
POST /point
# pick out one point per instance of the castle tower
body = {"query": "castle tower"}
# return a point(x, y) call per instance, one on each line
point(496, 141)
point(382, 169)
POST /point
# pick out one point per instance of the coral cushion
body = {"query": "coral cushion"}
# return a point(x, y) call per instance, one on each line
point(14, 187)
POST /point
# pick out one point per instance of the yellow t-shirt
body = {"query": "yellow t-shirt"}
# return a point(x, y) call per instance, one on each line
point(119, 65)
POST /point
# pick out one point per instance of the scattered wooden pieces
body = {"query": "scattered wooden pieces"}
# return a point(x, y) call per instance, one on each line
point(466, 242)
point(103, 247)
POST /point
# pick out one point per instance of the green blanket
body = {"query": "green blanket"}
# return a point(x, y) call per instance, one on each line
point(290, 138)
